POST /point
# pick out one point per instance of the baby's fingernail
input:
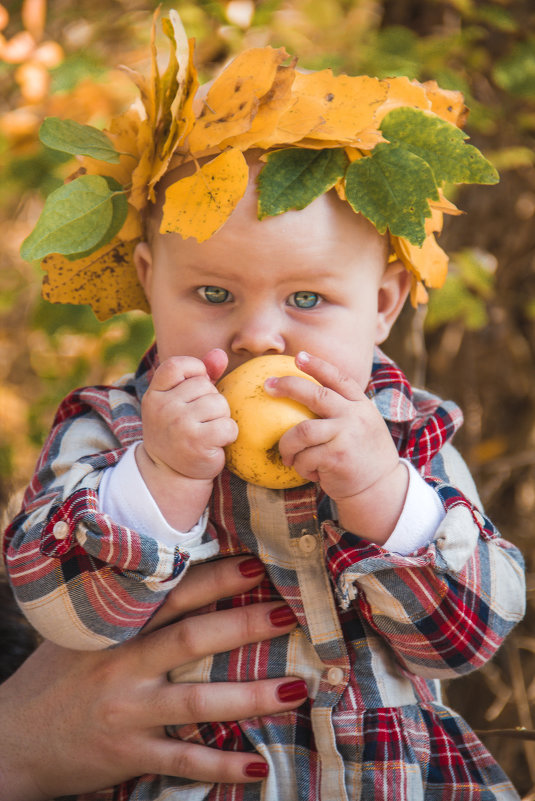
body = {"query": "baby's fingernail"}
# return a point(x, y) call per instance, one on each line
point(302, 357)
point(270, 383)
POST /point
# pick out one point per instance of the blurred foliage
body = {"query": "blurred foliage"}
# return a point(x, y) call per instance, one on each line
point(478, 344)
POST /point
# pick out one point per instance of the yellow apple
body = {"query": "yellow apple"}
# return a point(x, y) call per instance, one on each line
point(262, 420)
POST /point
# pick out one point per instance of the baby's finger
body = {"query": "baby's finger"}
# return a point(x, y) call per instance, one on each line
point(304, 435)
point(322, 401)
point(174, 370)
point(191, 389)
point(216, 362)
point(218, 433)
point(212, 406)
point(329, 376)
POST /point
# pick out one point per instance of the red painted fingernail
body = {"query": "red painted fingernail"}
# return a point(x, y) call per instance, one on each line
point(251, 567)
point(292, 691)
point(270, 383)
point(282, 616)
point(257, 770)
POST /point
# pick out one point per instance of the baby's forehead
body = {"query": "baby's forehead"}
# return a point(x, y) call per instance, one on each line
point(328, 220)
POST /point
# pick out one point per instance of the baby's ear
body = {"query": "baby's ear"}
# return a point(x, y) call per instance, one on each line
point(393, 290)
point(143, 263)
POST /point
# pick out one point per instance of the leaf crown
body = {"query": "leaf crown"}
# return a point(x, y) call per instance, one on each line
point(386, 146)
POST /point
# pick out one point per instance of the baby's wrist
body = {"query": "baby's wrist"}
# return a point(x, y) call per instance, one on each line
point(374, 512)
point(180, 498)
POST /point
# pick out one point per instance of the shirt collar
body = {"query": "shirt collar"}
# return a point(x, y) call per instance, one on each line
point(390, 390)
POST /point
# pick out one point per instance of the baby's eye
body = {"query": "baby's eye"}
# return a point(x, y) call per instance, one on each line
point(214, 294)
point(304, 299)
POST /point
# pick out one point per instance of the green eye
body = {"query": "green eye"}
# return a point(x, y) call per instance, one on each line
point(214, 294)
point(304, 300)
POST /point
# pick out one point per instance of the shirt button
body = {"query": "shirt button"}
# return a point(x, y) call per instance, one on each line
point(307, 543)
point(335, 675)
point(61, 530)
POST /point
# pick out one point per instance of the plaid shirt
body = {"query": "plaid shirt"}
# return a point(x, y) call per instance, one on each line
point(376, 630)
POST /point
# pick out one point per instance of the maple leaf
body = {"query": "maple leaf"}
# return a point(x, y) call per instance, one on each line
point(270, 107)
point(324, 112)
point(200, 204)
point(234, 98)
point(106, 279)
point(447, 103)
point(428, 263)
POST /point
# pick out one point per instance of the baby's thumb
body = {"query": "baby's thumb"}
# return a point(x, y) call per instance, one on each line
point(216, 362)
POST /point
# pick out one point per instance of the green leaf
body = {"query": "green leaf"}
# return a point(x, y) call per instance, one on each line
point(71, 137)
point(120, 210)
point(391, 188)
point(439, 143)
point(75, 218)
point(294, 177)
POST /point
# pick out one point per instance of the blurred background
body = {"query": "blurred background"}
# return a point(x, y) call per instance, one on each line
point(475, 343)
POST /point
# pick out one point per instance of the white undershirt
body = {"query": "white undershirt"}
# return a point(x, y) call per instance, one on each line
point(125, 497)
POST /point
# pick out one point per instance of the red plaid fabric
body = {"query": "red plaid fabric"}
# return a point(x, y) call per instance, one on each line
point(376, 630)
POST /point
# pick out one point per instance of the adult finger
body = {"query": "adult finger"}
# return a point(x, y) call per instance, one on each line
point(214, 632)
point(181, 703)
point(168, 757)
point(209, 582)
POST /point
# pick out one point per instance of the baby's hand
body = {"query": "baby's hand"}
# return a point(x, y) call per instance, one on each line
point(348, 449)
point(186, 421)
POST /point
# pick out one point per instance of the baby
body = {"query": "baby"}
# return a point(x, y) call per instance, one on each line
point(384, 555)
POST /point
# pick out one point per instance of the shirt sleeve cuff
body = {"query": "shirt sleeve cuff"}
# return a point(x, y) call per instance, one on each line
point(124, 496)
point(422, 514)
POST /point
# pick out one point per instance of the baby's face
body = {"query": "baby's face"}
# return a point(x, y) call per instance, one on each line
point(304, 280)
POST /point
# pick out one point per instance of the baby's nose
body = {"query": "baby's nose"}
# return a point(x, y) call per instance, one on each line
point(258, 334)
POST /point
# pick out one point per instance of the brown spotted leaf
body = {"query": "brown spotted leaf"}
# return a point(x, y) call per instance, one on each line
point(106, 280)
point(201, 203)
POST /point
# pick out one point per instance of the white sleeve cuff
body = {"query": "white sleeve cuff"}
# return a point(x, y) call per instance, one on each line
point(422, 514)
point(124, 496)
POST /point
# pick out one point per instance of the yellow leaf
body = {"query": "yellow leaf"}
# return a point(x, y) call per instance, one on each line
point(419, 294)
point(181, 115)
point(428, 263)
point(106, 279)
point(403, 92)
point(201, 203)
point(331, 111)
point(446, 103)
point(232, 101)
point(433, 224)
point(270, 107)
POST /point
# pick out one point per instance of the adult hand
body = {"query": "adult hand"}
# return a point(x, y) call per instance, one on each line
point(79, 721)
